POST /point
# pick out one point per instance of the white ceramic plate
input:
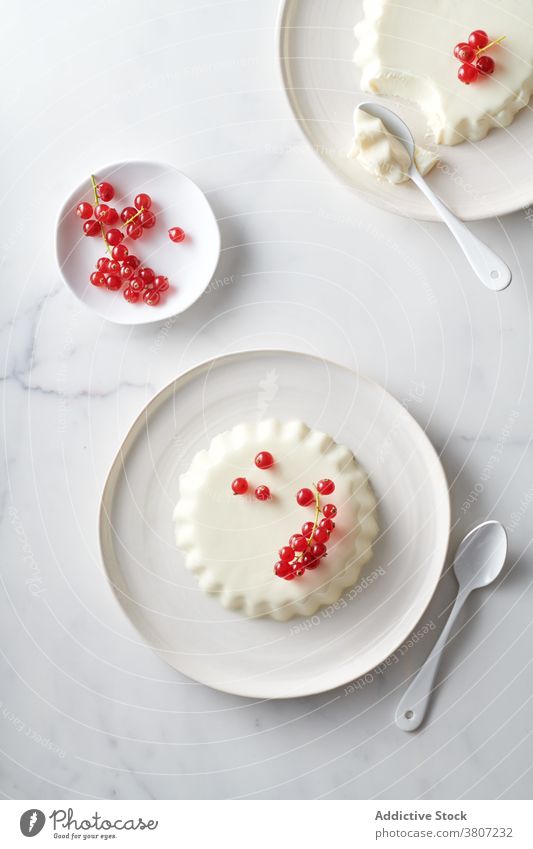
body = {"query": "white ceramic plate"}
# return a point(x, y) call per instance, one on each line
point(177, 202)
point(316, 45)
point(263, 658)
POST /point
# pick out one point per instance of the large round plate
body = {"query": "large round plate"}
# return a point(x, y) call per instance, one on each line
point(316, 46)
point(263, 658)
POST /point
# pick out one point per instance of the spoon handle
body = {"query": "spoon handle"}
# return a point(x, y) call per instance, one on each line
point(489, 267)
point(412, 707)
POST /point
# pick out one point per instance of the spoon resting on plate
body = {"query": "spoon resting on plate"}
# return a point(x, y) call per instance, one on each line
point(489, 267)
point(478, 561)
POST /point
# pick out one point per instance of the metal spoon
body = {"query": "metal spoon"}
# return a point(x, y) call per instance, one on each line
point(478, 561)
point(491, 270)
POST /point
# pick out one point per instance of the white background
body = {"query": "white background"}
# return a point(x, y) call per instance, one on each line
point(89, 711)
point(202, 823)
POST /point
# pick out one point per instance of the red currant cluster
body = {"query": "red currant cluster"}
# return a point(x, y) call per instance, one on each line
point(306, 550)
point(263, 460)
point(120, 267)
point(471, 54)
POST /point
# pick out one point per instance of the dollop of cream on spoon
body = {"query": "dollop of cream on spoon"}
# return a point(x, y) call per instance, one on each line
point(383, 155)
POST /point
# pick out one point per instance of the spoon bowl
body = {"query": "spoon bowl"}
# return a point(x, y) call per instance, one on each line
point(480, 557)
point(393, 123)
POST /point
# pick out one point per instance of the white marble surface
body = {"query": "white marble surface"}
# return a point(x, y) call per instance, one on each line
point(86, 711)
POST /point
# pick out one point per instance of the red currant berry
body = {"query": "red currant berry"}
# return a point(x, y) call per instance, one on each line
point(84, 210)
point(284, 570)
point(485, 64)
point(126, 272)
point(304, 497)
point(105, 191)
point(160, 283)
point(136, 284)
point(176, 234)
point(239, 486)
point(307, 529)
point(113, 282)
point(114, 236)
point(314, 563)
point(305, 559)
point(91, 228)
point(467, 74)
point(262, 493)
point(147, 219)
point(100, 212)
point(112, 216)
point(298, 542)
point(134, 230)
point(151, 298)
point(321, 535)
point(120, 252)
point(264, 460)
point(464, 52)
point(329, 511)
point(143, 200)
point(146, 274)
point(318, 549)
point(131, 295)
point(327, 524)
point(325, 486)
point(478, 39)
point(98, 278)
point(102, 264)
point(127, 213)
point(286, 554)
point(113, 266)
point(133, 261)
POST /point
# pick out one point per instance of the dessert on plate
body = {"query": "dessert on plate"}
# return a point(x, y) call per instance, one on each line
point(467, 64)
point(275, 519)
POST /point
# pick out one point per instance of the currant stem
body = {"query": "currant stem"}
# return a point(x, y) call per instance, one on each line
point(317, 513)
point(315, 523)
point(95, 190)
point(490, 44)
point(106, 243)
point(97, 201)
point(133, 217)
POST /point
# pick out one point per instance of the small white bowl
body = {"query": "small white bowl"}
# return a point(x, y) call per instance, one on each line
point(176, 202)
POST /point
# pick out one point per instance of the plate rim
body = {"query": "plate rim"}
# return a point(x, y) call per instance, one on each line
point(370, 198)
point(107, 495)
point(155, 318)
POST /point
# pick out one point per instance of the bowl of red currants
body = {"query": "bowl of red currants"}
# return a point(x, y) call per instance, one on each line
point(137, 242)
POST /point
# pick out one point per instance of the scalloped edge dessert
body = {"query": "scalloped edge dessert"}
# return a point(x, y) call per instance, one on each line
point(380, 75)
point(273, 596)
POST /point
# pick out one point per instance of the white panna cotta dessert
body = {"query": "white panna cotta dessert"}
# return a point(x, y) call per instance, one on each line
point(382, 154)
point(232, 541)
point(406, 49)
